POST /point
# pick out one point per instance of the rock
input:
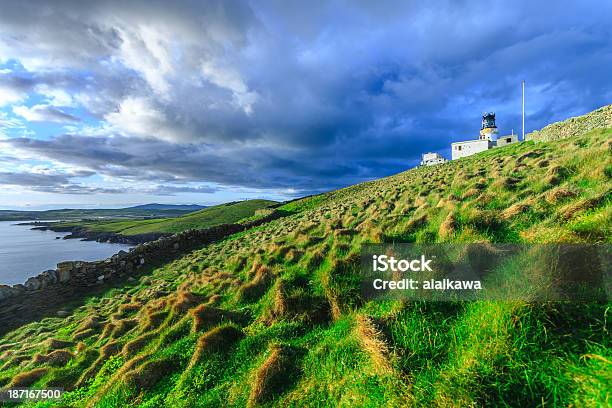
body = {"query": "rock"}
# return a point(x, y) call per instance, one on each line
point(52, 273)
point(62, 313)
point(47, 278)
point(63, 276)
point(68, 265)
point(44, 281)
point(19, 289)
point(64, 271)
point(6, 292)
point(33, 284)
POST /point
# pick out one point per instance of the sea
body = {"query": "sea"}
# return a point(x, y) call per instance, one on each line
point(25, 252)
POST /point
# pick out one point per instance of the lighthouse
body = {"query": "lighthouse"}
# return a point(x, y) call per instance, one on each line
point(488, 139)
point(488, 130)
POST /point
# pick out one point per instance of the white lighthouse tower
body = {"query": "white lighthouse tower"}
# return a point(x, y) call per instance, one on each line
point(488, 130)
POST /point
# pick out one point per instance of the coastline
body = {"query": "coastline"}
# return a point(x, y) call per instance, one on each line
point(71, 278)
point(85, 274)
point(76, 232)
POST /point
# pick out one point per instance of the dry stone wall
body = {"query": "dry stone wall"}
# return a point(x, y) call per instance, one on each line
point(598, 119)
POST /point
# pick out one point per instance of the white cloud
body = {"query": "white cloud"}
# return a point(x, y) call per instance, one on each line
point(138, 116)
point(55, 96)
point(228, 77)
point(43, 113)
point(9, 122)
point(9, 95)
point(145, 49)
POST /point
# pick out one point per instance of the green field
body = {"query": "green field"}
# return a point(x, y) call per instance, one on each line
point(272, 316)
point(206, 218)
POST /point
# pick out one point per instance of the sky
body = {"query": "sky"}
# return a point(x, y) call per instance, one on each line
point(113, 103)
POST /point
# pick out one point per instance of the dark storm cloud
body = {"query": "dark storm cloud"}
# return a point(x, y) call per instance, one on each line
point(32, 179)
point(53, 182)
point(140, 159)
point(299, 95)
point(63, 183)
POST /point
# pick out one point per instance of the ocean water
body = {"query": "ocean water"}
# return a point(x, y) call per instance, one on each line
point(25, 253)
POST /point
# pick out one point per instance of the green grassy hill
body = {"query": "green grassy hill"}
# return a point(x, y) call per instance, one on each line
point(272, 317)
point(208, 217)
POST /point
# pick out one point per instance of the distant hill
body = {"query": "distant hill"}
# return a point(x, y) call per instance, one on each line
point(80, 214)
point(155, 206)
point(208, 217)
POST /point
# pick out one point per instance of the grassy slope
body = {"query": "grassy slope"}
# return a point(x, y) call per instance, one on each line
point(208, 217)
point(271, 316)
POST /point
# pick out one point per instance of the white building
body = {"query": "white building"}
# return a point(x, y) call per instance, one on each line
point(506, 140)
point(488, 139)
point(430, 159)
point(469, 147)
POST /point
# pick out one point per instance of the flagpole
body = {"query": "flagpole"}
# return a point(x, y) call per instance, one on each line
point(523, 83)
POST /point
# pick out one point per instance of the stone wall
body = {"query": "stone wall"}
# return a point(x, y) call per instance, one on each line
point(264, 211)
point(598, 119)
point(75, 277)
